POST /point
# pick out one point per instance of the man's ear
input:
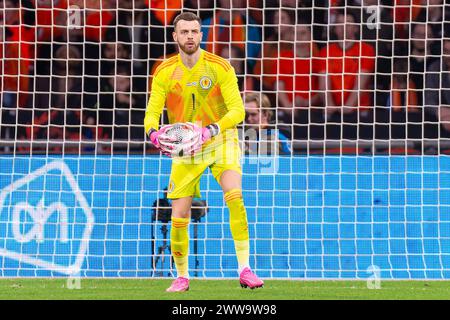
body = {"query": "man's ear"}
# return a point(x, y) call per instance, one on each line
point(174, 36)
point(263, 117)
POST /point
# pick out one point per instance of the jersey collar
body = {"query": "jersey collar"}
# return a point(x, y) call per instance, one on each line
point(200, 59)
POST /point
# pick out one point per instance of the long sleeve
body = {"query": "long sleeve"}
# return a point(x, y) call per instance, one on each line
point(233, 101)
point(155, 104)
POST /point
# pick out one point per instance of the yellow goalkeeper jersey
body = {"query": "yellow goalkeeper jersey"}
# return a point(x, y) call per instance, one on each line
point(207, 93)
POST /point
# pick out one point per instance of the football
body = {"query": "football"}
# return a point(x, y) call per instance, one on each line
point(179, 139)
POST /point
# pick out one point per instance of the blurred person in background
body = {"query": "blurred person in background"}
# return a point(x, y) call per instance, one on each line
point(347, 66)
point(279, 42)
point(420, 60)
point(130, 26)
point(58, 98)
point(99, 16)
point(116, 106)
point(259, 127)
point(437, 95)
point(237, 59)
point(204, 8)
point(299, 100)
point(434, 15)
point(230, 25)
point(402, 101)
point(113, 52)
point(51, 30)
point(17, 53)
point(51, 19)
point(161, 43)
point(404, 12)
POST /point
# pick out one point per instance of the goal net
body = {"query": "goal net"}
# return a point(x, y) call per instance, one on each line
point(346, 168)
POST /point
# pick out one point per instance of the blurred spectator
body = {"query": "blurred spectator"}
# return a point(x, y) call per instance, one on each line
point(437, 95)
point(402, 103)
point(347, 66)
point(16, 56)
point(113, 53)
point(237, 59)
point(58, 98)
point(278, 44)
point(99, 15)
point(309, 10)
point(436, 15)
point(290, 3)
point(230, 25)
point(162, 14)
point(165, 11)
point(411, 80)
point(52, 30)
point(131, 26)
point(420, 58)
point(298, 94)
point(256, 9)
point(404, 12)
point(319, 20)
point(379, 28)
point(403, 95)
point(51, 19)
point(259, 128)
point(203, 8)
point(117, 107)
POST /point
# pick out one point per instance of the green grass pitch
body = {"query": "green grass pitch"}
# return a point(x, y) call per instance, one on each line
point(154, 289)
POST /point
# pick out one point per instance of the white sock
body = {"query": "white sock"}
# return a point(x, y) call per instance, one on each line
point(242, 267)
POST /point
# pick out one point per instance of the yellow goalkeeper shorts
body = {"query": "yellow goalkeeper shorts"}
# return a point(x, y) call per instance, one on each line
point(186, 172)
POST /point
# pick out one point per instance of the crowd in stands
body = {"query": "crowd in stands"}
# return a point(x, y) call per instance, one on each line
point(80, 70)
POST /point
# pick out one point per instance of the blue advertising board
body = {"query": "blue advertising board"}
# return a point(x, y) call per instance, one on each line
point(309, 217)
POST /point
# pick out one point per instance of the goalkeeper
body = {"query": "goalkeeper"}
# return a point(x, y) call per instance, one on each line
point(201, 88)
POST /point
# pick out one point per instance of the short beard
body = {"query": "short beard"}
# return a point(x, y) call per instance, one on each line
point(189, 51)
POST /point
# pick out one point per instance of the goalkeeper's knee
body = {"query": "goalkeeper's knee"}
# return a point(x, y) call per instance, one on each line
point(238, 215)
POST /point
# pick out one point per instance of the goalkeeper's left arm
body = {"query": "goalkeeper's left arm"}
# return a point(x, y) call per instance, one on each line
point(233, 101)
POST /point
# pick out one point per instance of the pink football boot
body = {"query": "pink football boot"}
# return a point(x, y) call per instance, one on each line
point(249, 279)
point(180, 284)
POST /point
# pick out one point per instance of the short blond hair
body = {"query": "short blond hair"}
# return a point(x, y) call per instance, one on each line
point(262, 101)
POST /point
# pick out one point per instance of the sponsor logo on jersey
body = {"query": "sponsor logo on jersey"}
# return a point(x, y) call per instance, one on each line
point(191, 84)
point(205, 82)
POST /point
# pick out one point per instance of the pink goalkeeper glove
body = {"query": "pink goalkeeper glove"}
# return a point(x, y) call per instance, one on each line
point(206, 133)
point(155, 136)
point(210, 131)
